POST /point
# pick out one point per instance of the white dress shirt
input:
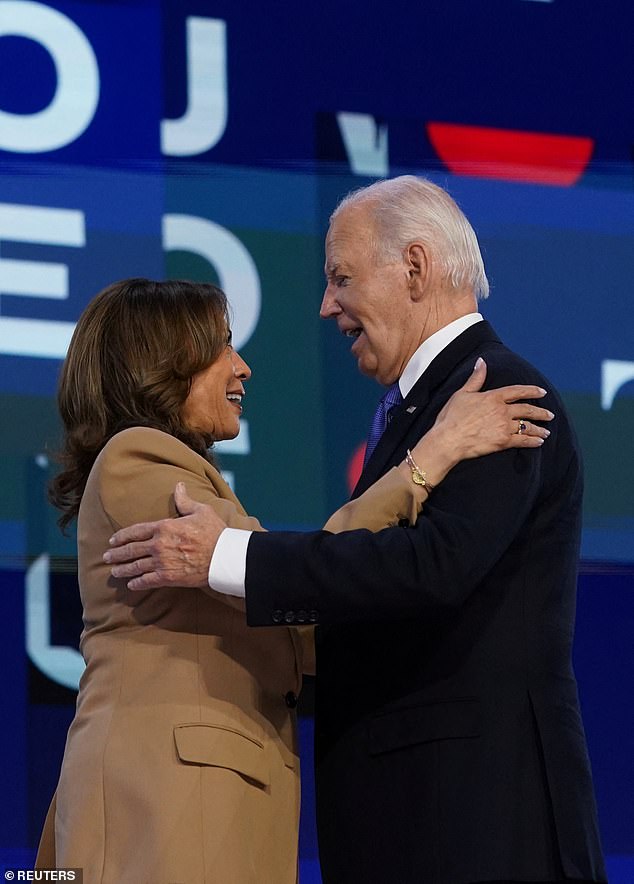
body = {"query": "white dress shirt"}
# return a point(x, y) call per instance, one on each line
point(228, 566)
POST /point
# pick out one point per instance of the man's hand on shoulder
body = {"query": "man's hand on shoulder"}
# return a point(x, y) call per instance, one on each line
point(172, 552)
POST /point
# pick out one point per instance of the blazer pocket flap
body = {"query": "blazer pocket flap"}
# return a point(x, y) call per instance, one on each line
point(411, 726)
point(220, 746)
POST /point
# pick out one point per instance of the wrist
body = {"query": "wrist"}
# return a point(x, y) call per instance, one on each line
point(437, 453)
point(418, 474)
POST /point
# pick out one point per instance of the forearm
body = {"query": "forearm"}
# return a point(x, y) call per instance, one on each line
point(397, 572)
point(393, 499)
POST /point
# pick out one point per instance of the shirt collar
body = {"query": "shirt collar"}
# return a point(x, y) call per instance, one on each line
point(431, 347)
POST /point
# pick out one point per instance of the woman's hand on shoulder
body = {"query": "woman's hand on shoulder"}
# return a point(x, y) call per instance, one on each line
point(474, 423)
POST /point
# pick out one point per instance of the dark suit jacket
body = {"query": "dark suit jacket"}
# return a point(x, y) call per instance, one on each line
point(449, 741)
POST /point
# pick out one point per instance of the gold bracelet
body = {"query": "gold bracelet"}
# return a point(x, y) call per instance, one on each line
point(419, 477)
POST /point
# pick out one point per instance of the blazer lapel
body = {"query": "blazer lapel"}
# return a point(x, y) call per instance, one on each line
point(411, 409)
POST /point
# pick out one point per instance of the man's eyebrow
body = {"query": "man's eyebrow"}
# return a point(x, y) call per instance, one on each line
point(331, 269)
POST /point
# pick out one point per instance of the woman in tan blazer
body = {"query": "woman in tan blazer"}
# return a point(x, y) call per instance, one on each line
point(181, 762)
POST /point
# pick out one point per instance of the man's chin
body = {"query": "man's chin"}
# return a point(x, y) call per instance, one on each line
point(367, 371)
point(373, 371)
point(367, 367)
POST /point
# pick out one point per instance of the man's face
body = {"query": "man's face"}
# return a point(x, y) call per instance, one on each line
point(369, 298)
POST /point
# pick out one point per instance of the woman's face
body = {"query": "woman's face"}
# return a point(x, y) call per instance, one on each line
point(213, 405)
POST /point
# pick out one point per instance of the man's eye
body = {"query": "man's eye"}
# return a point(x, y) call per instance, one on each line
point(341, 281)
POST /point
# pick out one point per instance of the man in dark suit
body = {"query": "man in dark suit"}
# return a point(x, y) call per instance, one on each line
point(449, 741)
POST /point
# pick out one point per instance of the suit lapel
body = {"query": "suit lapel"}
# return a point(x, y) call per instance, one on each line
point(414, 405)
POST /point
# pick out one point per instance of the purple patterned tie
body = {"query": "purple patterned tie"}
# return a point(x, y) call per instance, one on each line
point(390, 399)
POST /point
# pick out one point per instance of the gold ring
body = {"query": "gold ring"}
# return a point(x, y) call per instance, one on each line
point(521, 428)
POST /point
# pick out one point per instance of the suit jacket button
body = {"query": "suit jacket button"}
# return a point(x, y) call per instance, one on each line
point(301, 617)
point(313, 617)
point(290, 698)
point(277, 616)
point(289, 617)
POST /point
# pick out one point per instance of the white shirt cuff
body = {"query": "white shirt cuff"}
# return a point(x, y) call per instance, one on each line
point(228, 566)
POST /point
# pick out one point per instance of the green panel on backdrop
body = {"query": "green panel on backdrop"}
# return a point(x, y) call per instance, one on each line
point(186, 265)
point(33, 428)
point(606, 441)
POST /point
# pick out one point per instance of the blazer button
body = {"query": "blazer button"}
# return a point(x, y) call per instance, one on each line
point(313, 616)
point(277, 616)
point(301, 617)
point(290, 698)
point(289, 617)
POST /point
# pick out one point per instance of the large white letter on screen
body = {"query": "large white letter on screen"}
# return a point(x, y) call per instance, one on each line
point(77, 93)
point(205, 119)
point(20, 336)
point(61, 664)
point(365, 144)
point(615, 373)
point(234, 265)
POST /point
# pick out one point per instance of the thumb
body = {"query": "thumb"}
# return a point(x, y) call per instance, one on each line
point(184, 503)
point(478, 377)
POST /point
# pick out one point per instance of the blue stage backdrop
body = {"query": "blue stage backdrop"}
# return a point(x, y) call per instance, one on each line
point(211, 140)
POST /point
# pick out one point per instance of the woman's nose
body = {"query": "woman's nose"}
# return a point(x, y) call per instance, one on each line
point(240, 368)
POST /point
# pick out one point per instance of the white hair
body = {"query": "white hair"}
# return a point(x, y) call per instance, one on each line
point(409, 209)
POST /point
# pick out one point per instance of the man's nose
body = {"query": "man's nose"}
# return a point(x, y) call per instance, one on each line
point(329, 305)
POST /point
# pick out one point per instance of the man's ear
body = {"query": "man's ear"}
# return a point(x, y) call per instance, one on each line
point(418, 263)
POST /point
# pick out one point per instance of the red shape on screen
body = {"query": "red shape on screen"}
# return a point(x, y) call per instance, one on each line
point(355, 466)
point(536, 157)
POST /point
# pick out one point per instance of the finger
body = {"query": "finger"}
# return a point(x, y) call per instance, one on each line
point(133, 569)
point(523, 427)
point(184, 503)
point(142, 531)
point(477, 378)
point(520, 391)
point(151, 580)
point(525, 441)
point(521, 410)
point(128, 552)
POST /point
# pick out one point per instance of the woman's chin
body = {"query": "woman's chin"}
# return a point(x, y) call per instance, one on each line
point(226, 435)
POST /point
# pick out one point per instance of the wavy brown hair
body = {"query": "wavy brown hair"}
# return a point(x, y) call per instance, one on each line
point(130, 363)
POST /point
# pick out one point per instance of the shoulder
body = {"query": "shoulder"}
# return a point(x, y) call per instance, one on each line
point(133, 478)
point(147, 444)
point(507, 368)
point(504, 366)
point(142, 455)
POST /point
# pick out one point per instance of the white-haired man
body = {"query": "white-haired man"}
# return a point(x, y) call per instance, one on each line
point(449, 742)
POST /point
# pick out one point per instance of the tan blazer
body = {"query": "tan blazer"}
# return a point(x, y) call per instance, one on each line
point(181, 763)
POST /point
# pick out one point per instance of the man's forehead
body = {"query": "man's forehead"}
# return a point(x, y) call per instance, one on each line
point(349, 234)
point(352, 218)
